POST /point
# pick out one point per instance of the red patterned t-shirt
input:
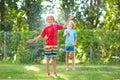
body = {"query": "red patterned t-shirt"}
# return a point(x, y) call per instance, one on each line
point(51, 33)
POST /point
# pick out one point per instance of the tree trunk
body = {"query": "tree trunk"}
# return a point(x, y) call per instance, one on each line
point(2, 10)
point(2, 13)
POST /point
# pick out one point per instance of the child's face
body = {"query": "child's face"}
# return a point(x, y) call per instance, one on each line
point(70, 25)
point(50, 20)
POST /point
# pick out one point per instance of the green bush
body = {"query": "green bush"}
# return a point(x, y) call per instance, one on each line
point(100, 46)
point(97, 45)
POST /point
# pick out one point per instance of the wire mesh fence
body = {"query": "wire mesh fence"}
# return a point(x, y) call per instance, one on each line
point(91, 46)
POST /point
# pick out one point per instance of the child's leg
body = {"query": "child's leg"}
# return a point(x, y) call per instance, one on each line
point(54, 64)
point(67, 60)
point(73, 60)
point(47, 65)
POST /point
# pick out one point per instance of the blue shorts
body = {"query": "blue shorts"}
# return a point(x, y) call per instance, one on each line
point(69, 48)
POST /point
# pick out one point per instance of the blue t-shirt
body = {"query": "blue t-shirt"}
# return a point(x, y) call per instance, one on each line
point(70, 38)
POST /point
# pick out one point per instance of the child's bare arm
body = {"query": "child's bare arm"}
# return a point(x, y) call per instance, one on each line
point(34, 39)
point(69, 19)
point(75, 42)
point(66, 33)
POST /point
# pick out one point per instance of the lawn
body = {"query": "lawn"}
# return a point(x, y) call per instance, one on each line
point(38, 72)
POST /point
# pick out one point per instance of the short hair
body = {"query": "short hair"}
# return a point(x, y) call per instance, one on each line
point(73, 24)
point(50, 15)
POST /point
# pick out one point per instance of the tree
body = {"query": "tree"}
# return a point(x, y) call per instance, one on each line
point(3, 23)
point(89, 13)
point(66, 8)
point(20, 15)
point(33, 12)
point(9, 15)
point(112, 17)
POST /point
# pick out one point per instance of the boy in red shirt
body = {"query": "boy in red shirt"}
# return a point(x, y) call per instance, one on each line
point(51, 46)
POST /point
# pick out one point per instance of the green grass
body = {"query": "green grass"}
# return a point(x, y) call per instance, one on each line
point(38, 72)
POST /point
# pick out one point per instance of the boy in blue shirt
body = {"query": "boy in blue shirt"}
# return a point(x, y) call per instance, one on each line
point(70, 42)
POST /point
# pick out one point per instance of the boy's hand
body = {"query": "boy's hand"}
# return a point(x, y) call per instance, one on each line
point(74, 44)
point(71, 17)
point(30, 41)
point(68, 32)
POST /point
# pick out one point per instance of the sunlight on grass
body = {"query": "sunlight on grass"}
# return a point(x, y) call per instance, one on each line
point(82, 72)
point(32, 68)
point(63, 76)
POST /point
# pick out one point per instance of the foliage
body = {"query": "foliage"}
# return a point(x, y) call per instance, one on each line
point(21, 16)
point(92, 45)
point(61, 52)
point(97, 45)
point(89, 13)
point(30, 52)
point(18, 49)
point(25, 15)
point(112, 17)
point(33, 10)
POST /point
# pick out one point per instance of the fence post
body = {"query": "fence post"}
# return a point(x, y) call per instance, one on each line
point(91, 51)
point(4, 46)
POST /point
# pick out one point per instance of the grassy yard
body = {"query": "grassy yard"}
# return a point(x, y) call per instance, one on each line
point(38, 72)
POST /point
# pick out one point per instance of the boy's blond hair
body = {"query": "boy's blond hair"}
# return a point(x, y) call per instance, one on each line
point(73, 24)
point(50, 15)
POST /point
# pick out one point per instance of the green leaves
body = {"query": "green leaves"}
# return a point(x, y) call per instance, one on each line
point(111, 21)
